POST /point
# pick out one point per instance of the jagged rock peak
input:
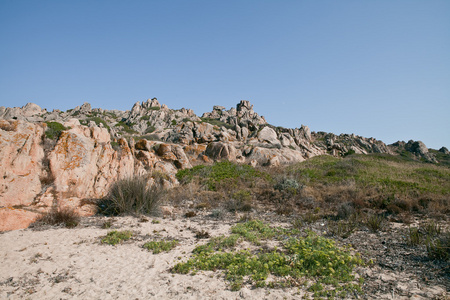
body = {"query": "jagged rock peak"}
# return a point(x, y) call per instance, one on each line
point(28, 111)
point(151, 103)
point(244, 105)
point(242, 116)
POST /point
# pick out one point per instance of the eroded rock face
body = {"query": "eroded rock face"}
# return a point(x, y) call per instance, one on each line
point(92, 153)
point(21, 156)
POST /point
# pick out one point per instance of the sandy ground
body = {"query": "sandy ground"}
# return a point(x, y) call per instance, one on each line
point(61, 263)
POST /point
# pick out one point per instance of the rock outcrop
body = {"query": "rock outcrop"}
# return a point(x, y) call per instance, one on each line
point(96, 147)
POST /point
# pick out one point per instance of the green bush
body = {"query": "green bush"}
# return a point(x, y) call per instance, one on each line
point(127, 127)
point(375, 222)
point(99, 121)
point(289, 185)
point(54, 130)
point(132, 195)
point(217, 123)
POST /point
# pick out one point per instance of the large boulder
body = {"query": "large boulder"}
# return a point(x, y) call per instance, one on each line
point(268, 135)
point(221, 151)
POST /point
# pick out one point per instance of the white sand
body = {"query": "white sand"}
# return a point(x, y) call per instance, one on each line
point(60, 263)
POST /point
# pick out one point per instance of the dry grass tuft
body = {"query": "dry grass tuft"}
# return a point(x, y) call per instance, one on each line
point(60, 216)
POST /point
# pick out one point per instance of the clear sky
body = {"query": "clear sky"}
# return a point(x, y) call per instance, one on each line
point(374, 68)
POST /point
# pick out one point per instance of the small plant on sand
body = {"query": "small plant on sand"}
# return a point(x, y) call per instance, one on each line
point(107, 224)
point(375, 222)
point(414, 236)
point(301, 258)
point(115, 237)
point(432, 228)
point(132, 195)
point(60, 216)
point(439, 248)
point(160, 246)
point(342, 229)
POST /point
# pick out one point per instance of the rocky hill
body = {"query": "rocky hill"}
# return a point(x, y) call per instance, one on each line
point(75, 155)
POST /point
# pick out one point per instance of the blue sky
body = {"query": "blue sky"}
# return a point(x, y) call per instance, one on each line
point(374, 68)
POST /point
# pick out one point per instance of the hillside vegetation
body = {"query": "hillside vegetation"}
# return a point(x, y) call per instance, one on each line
point(392, 184)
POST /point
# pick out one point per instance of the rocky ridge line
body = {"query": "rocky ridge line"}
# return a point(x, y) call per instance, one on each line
point(98, 147)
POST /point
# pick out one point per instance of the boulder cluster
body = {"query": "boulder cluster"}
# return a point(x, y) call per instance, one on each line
point(93, 148)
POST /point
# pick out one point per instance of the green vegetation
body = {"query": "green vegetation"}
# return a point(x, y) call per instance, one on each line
point(219, 172)
point(132, 195)
point(115, 237)
point(389, 175)
point(301, 259)
point(127, 127)
point(217, 123)
point(375, 222)
point(99, 121)
point(160, 246)
point(436, 241)
point(154, 108)
point(150, 128)
point(54, 130)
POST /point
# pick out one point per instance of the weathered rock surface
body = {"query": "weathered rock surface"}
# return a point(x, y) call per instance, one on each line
point(21, 155)
point(100, 146)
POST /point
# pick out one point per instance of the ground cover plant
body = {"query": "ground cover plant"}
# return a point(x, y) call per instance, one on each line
point(299, 260)
point(116, 237)
point(160, 246)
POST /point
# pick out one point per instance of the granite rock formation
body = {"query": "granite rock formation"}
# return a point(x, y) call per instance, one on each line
point(96, 147)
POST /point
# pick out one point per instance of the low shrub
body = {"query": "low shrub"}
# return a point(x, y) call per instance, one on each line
point(132, 195)
point(414, 236)
point(115, 237)
point(127, 127)
point(342, 229)
point(54, 130)
point(60, 216)
point(289, 185)
point(375, 222)
point(98, 121)
point(217, 123)
point(160, 246)
point(439, 248)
